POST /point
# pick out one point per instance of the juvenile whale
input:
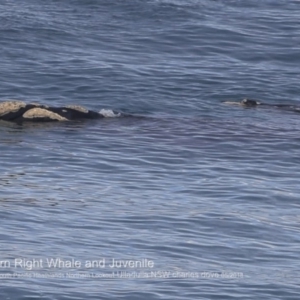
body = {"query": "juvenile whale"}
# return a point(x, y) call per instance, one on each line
point(19, 111)
point(254, 103)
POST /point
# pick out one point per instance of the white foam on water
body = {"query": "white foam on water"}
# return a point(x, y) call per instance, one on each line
point(108, 113)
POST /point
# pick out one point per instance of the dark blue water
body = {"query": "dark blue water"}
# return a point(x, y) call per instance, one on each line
point(193, 199)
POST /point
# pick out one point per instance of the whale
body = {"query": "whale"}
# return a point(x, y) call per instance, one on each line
point(19, 111)
point(254, 103)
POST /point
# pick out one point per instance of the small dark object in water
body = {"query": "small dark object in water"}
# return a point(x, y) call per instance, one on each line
point(253, 103)
point(245, 102)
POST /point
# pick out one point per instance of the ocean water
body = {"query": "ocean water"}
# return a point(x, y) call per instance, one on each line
point(186, 197)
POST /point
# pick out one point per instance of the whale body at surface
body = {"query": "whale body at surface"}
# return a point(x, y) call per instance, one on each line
point(19, 111)
point(254, 103)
